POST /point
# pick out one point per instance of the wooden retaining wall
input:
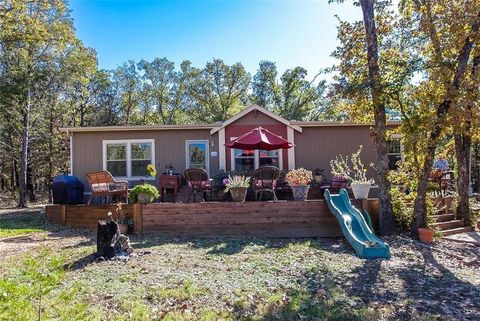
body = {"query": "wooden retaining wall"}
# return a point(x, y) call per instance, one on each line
point(83, 216)
point(265, 219)
point(268, 219)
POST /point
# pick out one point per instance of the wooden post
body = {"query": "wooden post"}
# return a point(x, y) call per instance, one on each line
point(366, 205)
point(56, 213)
point(63, 215)
point(137, 218)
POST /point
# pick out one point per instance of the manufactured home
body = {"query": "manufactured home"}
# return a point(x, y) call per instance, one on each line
point(126, 150)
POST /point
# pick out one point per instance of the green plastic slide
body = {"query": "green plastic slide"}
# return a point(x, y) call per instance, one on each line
point(355, 228)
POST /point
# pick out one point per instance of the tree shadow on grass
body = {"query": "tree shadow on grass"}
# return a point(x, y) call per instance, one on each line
point(475, 235)
point(21, 224)
point(435, 289)
point(317, 297)
point(223, 245)
point(421, 289)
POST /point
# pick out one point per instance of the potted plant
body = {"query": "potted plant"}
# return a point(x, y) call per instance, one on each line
point(143, 194)
point(318, 175)
point(237, 186)
point(122, 220)
point(353, 169)
point(298, 179)
point(425, 234)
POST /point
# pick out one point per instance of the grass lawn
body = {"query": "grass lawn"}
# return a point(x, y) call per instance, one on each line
point(21, 223)
point(52, 272)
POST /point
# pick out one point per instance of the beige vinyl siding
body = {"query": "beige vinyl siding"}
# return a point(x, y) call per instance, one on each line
point(169, 148)
point(316, 146)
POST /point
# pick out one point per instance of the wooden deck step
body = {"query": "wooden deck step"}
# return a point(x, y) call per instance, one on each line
point(457, 230)
point(443, 217)
point(448, 225)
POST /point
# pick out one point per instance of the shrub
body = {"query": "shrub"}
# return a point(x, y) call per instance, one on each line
point(402, 213)
point(143, 189)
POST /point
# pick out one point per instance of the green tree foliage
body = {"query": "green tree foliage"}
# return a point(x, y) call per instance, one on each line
point(450, 34)
point(165, 90)
point(37, 42)
point(265, 88)
point(126, 81)
point(292, 96)
point(217, 91)
point(49, 80)
point(426, 60)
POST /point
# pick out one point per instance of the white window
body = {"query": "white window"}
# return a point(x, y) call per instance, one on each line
point(116, 162)
point(269, 158)
point(394, 151)
point(129, 158)
point(249, 160)
point(197, 155)
point(243, 160)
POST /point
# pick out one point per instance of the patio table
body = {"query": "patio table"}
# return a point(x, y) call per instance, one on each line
point(169, 182)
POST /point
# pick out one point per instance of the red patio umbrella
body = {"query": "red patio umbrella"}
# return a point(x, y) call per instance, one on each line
point(260, 138)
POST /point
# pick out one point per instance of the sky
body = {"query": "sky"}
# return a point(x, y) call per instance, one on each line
point(290, 33)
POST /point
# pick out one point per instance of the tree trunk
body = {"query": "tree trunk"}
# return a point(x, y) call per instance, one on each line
point(24, 155)
point(462, 152)
point(476, 161)
point(463, 145)
point(13, 175)
point(50, 153)
point(31, 182)
point(387, 223)
point(82, 115)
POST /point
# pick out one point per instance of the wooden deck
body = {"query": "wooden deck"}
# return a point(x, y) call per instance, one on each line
point(218, 195)
point(265, 219)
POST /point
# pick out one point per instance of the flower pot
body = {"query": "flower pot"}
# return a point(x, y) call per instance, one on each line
point(238, 193)
point(360, 190)
point(318, 179)
point(123, 228)
point(300, 192)
point(425, 235)
point(144, 198)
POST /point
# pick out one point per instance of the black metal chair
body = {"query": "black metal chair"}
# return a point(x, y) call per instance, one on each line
point(198, 181)
point(265, 179)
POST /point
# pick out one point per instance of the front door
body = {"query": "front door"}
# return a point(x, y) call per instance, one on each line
point(197, 154)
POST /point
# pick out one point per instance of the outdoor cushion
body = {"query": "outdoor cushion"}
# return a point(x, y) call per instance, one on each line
point(201, 184)
point(338, 181)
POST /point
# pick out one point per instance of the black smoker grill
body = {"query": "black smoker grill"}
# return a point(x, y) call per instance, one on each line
point(67, 190)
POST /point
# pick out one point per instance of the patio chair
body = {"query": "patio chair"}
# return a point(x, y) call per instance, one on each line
point(265, 179)
point(447, 182)
point(198, 181)
point(103, 184)
point(336, 184)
